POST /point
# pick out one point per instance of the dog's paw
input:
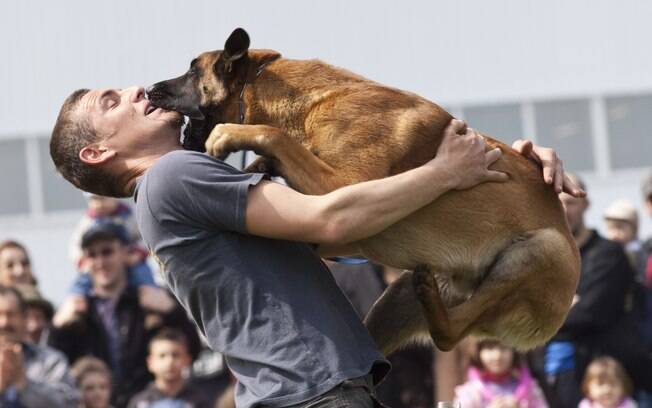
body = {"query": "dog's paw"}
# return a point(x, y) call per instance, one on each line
point(424, 283)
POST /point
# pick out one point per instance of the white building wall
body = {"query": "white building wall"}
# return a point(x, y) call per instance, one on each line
point(459, 54)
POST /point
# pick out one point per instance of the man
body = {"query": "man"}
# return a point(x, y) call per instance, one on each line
point(30, 375)
point(230, 243)
point(621, 221)
point(597, 322)
point(38, 314)
point(112, 324)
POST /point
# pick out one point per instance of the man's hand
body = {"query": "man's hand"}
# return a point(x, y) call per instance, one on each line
point(12, 370)
point(463, 155)
point(553, 169)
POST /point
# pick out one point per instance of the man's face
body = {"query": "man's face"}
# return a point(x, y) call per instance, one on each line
point(35, 322)
point(127, 121)
point(574, 209)
point(107, 263)
point(620, 230)
point(12, 319)
point(167, 359)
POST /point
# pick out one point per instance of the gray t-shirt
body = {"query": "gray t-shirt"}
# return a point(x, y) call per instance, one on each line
point(270, 306)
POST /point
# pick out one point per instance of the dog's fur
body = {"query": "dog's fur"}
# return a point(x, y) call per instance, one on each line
point(496, 260)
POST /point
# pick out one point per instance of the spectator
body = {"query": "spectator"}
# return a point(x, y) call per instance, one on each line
point(93, 379)
point(169, 361)
point(621, 219)
point(111, 324)
point(498, 378)
point(606, 385)
point(15, 265)
point(597, 322)
point(38, 315)
point(103, 210)
point(30, 375)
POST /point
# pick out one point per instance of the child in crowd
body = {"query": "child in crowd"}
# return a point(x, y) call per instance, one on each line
point(498, 379)
point(93, 379)
point(108, 210)
point(606, 385)
point(169, 361)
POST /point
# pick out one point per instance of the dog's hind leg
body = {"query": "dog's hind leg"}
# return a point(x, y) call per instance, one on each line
point(397, 316)
point(508, 303)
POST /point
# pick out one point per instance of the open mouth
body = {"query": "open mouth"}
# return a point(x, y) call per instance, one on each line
point(150, 109)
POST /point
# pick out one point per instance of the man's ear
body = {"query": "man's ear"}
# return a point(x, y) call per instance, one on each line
point(235, 47)
point(94, 154)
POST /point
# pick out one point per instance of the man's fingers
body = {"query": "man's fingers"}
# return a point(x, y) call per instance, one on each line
point(493, 175)
point(492, 155)
point(571, 188)
point(524, 147)
point(559, 177)
point(458, 126)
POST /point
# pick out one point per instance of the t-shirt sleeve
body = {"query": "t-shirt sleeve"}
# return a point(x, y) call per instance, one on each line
point(195, 190)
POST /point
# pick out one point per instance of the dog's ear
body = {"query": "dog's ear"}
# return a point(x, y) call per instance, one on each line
point(236, 47)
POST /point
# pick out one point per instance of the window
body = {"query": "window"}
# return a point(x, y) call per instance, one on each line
point(502, 122)
point(565, 125)
point(629, 122)
point(58, 194)
point(13, 178)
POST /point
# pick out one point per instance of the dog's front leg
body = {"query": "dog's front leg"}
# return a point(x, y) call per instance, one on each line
point(301, 169)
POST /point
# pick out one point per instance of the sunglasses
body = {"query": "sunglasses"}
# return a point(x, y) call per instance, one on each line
point(104, 252)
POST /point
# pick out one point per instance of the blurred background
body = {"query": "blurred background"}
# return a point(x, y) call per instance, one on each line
point(572, 75)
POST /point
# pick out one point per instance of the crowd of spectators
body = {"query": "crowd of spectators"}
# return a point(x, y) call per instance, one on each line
point(119, 339)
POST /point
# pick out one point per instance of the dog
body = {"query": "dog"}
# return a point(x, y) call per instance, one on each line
point(495, 261)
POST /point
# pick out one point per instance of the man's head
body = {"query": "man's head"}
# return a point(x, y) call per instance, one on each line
point(621, 219)
point(12, 315)
point(574, 208)
point(38, 312)
point(102, 137)
point(106, 252)
point(168, 355)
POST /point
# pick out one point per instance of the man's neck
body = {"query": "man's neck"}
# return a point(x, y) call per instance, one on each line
point(581, 236)
point(170, 387)
point(136, 167)
point(110, 292)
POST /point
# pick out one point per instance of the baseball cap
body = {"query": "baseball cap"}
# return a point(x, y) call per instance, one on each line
point(621, 210)
point(105, 231)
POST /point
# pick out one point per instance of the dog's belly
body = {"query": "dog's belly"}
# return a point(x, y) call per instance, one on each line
point(461, 234)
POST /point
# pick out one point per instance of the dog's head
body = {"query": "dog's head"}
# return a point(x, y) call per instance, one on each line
point(201, 92)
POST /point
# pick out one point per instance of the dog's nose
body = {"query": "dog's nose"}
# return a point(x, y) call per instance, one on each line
point(149, 90)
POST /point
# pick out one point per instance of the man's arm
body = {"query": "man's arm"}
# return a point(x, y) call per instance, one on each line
point(361, 210)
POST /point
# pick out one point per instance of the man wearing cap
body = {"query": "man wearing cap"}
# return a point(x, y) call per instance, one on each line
point(598, 322)
point(621, 221)
point(30, 375)
point(112, 325)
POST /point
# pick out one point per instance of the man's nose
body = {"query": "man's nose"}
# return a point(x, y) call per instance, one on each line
point(135, 93)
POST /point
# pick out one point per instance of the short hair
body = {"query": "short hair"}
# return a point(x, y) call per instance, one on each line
point(170, 334)
point(606, 367)
point(491, 343)
point(72, 132)
point(10, 291)
point(88, 365)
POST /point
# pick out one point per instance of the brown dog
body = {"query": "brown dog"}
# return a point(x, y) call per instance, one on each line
point(496, 260)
